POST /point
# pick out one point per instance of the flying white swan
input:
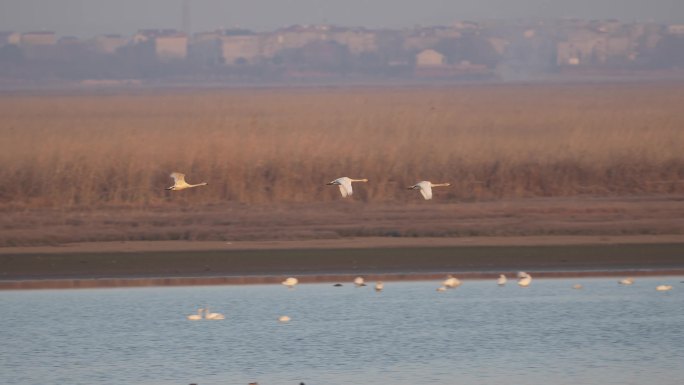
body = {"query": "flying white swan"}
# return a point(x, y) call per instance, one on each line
point(451, 282)
point(379, 286)
point(214, 316)
point(358, 281)
point(525, 280)
point(180, 183)
point(196, 317)
point(345, 185)
point(664, 287)
point(626, 281)
point(290, 282)
point(425, 188)
point(501, 280)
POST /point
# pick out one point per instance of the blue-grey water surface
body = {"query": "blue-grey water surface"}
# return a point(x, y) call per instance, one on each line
point(479, 333)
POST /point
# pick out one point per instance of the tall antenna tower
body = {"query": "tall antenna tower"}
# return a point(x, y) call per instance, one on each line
point(186, 16)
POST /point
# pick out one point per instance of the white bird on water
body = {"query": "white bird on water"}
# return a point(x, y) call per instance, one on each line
point(284, 318)
point(501, 280)
point(664, 287)
point(345, 185)
point(525, 279)
point(358, 281)
point(290, 282)
point(213, 316)
point(425, 188)
point(379, 286)
point(626, 281)
point(180, 183)
point(451, 282)
point(196, 317)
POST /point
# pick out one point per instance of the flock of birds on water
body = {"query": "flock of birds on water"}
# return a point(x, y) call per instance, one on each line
point(344, 183)
point(451, 282)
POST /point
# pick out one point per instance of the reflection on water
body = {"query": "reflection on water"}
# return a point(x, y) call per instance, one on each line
point(478, 333)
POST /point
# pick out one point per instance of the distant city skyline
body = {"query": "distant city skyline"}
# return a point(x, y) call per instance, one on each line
point(85, 18)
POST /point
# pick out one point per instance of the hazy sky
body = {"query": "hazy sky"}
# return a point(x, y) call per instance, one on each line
point(90, 17)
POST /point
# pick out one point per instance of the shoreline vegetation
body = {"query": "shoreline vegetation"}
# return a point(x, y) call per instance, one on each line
point(522, 160)
point(525, 162)
point(272, 146)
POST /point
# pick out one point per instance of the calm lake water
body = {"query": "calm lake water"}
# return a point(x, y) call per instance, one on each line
point(479, 333)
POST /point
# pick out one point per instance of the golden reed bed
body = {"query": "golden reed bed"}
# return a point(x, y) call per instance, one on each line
point(281, 145)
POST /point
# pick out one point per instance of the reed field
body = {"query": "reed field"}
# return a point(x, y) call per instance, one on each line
point(282, 145)
point(92, 150)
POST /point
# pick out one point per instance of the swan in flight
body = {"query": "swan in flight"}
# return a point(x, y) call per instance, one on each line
point(451, 282)
point(180, 183)
point(214, 316)
point(524, 280)
point(196, 317)
point(379, 286)
point(626, 281)
point(501, 280)
point(345, 185)
point(290, 282)
point(425, 188)
point(358, 281)
point(664, 287)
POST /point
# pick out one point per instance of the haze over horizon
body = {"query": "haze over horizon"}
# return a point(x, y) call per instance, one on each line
point(86, 18)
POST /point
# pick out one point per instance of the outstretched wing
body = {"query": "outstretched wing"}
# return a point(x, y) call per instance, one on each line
point(345, 188)
point(178, 177)
point(425, 190)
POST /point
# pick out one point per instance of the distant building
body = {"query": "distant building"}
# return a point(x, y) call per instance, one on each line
point(430, 58)
point(172, 46)
point(68, 40)
point(42, 38)
point(9, 37)
point(205, 48)
point(236, 48)
point(357, 40)
point(675, 29)
point(298, 36)
point(570, 54)
point(108, 43)
point(424, 38)
point(168, 43)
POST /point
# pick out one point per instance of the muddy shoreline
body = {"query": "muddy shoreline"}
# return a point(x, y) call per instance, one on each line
point(132, 265)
